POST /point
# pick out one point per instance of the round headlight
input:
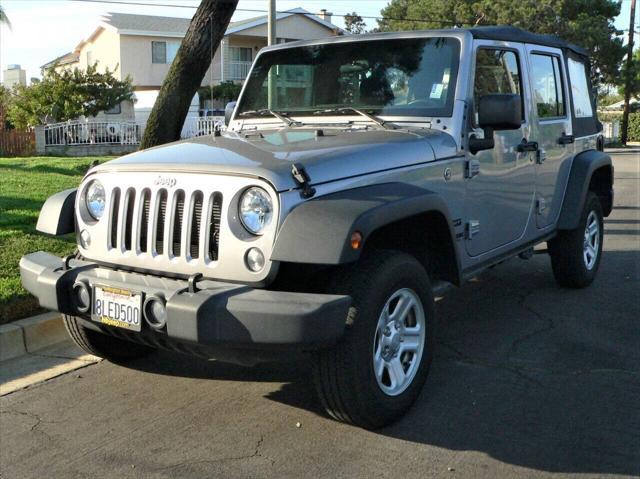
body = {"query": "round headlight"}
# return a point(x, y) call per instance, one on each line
point(95, 199)
point(256, 210)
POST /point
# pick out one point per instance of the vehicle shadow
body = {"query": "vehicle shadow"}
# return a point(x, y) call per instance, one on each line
point(525, 372)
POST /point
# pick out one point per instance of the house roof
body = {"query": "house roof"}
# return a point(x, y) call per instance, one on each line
point(132, 24)
point(619, 105)
point(147, 23)
point(70, 57)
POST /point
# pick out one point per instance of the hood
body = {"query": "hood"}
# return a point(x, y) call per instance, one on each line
point(327, 155)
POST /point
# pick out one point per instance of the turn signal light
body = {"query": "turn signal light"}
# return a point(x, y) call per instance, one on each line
point(356, 240)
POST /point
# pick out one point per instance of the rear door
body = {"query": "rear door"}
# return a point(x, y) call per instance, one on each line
point(552, 130)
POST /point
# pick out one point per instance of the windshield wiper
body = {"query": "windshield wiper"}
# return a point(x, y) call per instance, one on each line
point(279, 115)
point(377, 120)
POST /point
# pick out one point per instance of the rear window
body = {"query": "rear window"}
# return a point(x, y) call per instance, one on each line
point(547, 86)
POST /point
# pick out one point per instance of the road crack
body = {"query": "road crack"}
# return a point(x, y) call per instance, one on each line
point(548, 326)
point(520, 369)
point(38, 421)
point(256, 453)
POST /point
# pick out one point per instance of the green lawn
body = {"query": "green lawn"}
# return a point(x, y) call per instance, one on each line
point(25, 183)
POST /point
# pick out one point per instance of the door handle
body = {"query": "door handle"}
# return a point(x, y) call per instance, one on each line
point(566, 139)
point(525, 145)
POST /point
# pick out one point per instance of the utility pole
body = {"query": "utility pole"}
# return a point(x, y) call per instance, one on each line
point(272, 22)
point(627, 80)
point(272, 92)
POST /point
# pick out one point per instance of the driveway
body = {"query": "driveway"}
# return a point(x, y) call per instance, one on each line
point(529, 380)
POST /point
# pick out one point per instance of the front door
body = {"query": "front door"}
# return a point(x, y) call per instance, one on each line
point(499, 198)
point(552, 130)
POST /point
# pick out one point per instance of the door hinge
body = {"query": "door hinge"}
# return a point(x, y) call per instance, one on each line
point(541, 156)
point(471, 168)
point(541, 205)
point(472, 229)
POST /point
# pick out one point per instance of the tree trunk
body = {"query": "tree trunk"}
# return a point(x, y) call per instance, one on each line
point(192, 61)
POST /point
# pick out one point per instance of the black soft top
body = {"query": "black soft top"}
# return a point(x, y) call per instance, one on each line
point(513, 34)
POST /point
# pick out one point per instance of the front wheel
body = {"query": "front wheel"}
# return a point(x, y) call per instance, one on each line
point(379, 368)
point(575, 255)
point(108, 347)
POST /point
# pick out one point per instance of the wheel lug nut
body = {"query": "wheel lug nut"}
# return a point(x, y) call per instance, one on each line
point(387, 331)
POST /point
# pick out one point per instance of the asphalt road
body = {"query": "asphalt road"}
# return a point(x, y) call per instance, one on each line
point(529, 380)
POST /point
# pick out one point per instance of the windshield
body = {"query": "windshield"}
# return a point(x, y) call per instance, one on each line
point(401, 77)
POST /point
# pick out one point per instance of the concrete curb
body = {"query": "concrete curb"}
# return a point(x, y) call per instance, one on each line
point(31, 334)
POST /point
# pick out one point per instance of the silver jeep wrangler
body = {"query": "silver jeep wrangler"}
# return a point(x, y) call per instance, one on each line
point(358, 177)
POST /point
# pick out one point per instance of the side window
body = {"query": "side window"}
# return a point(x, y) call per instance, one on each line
point(547, 86)
point(497, 71)
point(159, 52)
point(579, 89)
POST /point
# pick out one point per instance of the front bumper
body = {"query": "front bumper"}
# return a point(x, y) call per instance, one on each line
point(216, 315)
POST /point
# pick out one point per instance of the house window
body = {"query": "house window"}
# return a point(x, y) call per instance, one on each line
point(89, 58)
point(239, 62)
point(164, 52)
point(172, 51)
point(159, 52)
point(240, 54)
point(116, 110)
point(547, 86)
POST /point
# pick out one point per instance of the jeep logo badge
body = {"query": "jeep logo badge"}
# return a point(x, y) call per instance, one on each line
point(165, 181)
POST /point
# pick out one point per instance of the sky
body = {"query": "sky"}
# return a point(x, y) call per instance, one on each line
point(45, 29)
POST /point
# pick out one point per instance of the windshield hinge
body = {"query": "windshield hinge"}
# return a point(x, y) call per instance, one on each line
point(302, 179)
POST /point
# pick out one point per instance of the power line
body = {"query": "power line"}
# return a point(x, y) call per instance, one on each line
point(253, 10)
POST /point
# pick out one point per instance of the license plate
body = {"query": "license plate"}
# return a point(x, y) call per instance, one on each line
point(117, 307)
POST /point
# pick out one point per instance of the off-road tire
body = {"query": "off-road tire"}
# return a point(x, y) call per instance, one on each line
point(104, 346)
point(343, 375)
point(567, 249)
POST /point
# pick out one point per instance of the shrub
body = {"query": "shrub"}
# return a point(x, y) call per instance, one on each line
point(634, 123)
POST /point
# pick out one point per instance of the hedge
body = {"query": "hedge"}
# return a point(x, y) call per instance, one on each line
point(634, 123)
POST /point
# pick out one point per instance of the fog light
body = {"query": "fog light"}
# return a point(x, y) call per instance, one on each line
point(85, 239)
point(155, 311)
point(81, 296)
point(254, 259)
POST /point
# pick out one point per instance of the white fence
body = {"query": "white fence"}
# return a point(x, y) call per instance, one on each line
point(92, 132)
point(239, 70)
point(79, 132)
point(611, 131)
point(201, 125)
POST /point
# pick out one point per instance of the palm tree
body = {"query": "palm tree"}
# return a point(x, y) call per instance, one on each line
point(3, 18)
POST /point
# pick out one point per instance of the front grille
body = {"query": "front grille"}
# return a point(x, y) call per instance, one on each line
point(176, 224)
point(147, 221)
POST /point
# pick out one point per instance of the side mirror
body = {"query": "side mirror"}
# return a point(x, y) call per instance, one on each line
point(228, 111)
point(497, 111)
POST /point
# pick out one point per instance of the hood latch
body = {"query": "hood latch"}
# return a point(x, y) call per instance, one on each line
point(301, 177)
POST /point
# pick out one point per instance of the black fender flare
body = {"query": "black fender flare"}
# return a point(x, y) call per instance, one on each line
point(319, 231)
point(582, 169)
point(57, 215)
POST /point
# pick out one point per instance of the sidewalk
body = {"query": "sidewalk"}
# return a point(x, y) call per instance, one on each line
point(36, 349)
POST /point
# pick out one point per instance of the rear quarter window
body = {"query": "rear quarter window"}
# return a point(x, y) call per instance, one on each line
point(579, 89)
